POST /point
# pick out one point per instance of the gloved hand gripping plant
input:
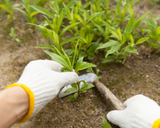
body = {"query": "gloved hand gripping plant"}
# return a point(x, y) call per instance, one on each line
point(72, 64)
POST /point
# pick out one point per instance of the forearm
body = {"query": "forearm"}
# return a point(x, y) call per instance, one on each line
point(14, 105)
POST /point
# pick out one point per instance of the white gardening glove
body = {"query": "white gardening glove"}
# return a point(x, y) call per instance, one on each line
point(140, 112)
point(42, 80)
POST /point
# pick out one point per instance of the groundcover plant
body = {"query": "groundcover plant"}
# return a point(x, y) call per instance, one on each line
point(72, 61)
point(91, 29)
point(9, 7)
point(13, 35)
point(78, 31)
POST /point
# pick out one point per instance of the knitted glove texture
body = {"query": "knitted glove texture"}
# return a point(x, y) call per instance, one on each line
point(141, 112)
point(45, 79)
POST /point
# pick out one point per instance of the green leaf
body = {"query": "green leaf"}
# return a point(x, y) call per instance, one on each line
point(132, 40)
point(113, 49)
point(34, 13)
point(94, 15)
point(108, 44)
point(123, 12)
point(45, 47)
point(60, 19)
point(151, 23)
point(56, 39)
point(144, 15)
point(15, 5)
point(130, 25)
point(85, 88)
point(67, 10)
point(79, 18)
point(107, 2)
point(130, 9)
point(141, 40)
point(49, 23)
point(4, 7)
point(93, 48)
point(67, 27)
point(118, 10)
point(105, 123)
point(82, 54)
point(158, 30)
point(69, 52)
point(12, 33)
point(71, 98)
point(131, 49)
point(100, 28)
point(43, 11)
point(69, 40)
point(70, 3)
point(74, 85)
point(70, 90)
point(119, 32)
point(56, 7)
point(21, 11)
point(75, 95)
point(115, 33)
point(109, 59)
point(58, 59)
point(82, 65)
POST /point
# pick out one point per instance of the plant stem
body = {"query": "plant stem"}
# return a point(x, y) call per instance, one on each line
point(78, 87)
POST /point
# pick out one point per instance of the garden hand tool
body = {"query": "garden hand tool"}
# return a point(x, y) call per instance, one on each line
point(137, 112)
point(105, 92)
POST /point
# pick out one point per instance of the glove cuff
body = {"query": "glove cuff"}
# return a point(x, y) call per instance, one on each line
point(31, 100)
point(156, 124)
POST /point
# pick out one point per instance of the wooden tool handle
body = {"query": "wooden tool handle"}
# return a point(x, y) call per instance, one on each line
point(109, 96)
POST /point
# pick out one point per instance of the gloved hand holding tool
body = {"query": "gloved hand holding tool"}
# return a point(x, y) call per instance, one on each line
point(42, 80)
point(140, 112)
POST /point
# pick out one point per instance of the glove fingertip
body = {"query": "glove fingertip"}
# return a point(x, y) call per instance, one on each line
point(74, 77)
point(70, 77)
point(109, 115)
point(113, 115)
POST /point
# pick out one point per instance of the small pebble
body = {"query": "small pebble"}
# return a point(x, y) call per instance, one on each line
point(156, 66)
point(62, 117)
point(113, 80)
point(26, 126)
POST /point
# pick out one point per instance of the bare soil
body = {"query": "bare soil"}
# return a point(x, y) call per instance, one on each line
point(140, 75)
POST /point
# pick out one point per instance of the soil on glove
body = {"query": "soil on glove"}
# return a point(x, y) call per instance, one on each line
point(140, 75)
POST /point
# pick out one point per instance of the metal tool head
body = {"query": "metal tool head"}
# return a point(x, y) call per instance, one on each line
point(88, 78)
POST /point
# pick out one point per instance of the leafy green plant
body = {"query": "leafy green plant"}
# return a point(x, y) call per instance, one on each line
point(29, 12)
point(57, 15)
point(123, 11)
point(12, 34)
point(153, 34)
point(85, 28)
point(9, 7)
point(69, 58)
point(125, 42)
point(76, 32)
point(70, 64)
point(105, 123)
point(120, 12)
